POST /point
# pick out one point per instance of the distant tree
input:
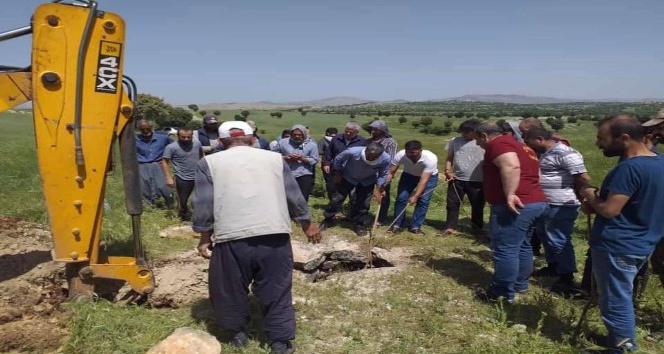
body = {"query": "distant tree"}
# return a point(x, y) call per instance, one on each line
point(178, 117)
point(558, 116)
point(203, 113)
point(376, 118)
point(448, 125)
point(239, 117)
point(152, 108)
point(426, 121)
point(273, 114)
point(501, 122)
point(193, 107)
point(194, 124)
point(402, 120)
point(217, 113)
point(557, 125)
point(387, 113)
point(483, 116)
point(459, 114)
point(425, 129)
point(245, 113)
point(367, 127)
point(303, 113)
point(416, 123)
point(279, 114)
point(572, 120)
point(352, 116)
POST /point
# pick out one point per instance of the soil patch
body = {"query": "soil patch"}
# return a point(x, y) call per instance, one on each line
point(31, 289)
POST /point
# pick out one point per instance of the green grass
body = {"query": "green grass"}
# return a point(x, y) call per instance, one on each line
point(427, 307)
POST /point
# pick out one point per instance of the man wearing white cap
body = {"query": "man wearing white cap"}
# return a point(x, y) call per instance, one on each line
point(244, 199)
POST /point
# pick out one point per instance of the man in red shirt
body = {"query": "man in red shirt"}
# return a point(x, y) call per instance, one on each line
point(511, 186)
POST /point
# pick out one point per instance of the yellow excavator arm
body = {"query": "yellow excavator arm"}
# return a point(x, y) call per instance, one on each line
point(81, 107)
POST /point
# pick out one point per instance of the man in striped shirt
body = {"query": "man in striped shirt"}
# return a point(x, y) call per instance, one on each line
point(562, 171)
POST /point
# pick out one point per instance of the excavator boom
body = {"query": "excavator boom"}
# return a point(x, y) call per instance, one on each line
point(80, 108)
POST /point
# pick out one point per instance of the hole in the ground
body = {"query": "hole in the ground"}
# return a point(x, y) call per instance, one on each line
point(339, 260)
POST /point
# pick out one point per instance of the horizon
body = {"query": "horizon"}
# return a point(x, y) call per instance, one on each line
point(203, 51)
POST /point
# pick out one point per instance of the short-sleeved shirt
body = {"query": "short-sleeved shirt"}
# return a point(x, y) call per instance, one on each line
point(184, 159)
point(638, 227)
point(528, 190)
point(558, 167)
point(428, 163)
point(467, 159)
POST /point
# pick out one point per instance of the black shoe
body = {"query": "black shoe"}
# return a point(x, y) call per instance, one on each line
point(486, 296)
point(360, 230)
point(280, 347)
point(548, 271)
point(416, 231)
point(566, 288)
point(240, 340)
point(325, 224)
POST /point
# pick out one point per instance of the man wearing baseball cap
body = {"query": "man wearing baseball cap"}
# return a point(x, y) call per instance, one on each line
point(208, 135)
point(244, 200)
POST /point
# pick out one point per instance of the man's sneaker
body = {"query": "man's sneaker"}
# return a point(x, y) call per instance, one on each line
point(548, 271)
point(393, 230)
point(325, 224)
point(282, 347)
point(360, 230)
point(240, 340)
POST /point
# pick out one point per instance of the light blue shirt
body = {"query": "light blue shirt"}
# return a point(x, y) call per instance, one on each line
point(309, 149)
point(152, 149)
point(356, 170)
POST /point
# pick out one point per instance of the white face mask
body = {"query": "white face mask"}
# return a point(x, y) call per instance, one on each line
point(370, 163)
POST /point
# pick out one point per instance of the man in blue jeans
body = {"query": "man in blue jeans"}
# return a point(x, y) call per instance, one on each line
point(562, 171)
point(628, 223)
point(511, 186)
point(416, 185)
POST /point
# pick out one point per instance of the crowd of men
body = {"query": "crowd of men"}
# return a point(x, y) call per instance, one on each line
point(535, 183)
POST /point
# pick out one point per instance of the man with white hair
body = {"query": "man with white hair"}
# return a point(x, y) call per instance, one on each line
point(244, 199)
point(341, 142)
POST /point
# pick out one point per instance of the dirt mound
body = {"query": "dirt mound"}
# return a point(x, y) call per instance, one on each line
point(31, 289)
point(181, 280)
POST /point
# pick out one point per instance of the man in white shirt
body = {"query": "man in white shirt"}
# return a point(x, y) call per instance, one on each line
point(419, 177)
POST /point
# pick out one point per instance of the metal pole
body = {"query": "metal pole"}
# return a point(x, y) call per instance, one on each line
point(15, 33)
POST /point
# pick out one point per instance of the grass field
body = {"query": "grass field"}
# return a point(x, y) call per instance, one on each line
point(425, 308)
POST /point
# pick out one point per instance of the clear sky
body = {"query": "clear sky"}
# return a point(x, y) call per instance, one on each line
point(204, 51)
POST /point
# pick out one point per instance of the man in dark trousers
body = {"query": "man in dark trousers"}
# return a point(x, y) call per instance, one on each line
point(350, 138)
point(359, 168)
point(381, 134)
point(244, 199)
point(323, 146)
point(208, 135)
point(149, 152)
point(184, 155)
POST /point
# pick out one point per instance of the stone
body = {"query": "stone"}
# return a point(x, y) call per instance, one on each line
point(180, 231)
point(186, 340)
point(304, 253)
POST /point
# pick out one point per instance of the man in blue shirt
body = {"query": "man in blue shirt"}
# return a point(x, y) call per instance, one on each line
point(150, 150)
point(360, 168)
point(627, 226)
